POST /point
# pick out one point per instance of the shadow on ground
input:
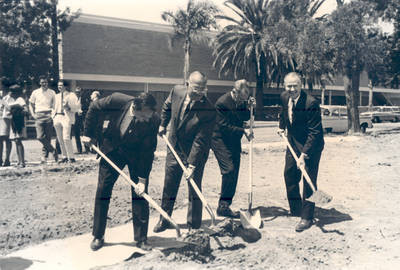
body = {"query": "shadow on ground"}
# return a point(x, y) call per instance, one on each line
point(330, 216)
point(14, 263)
point(272, 212)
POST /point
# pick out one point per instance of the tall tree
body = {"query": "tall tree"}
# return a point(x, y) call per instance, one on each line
point(26, 38)
point(352, 26)
point(261, 42)
point(313, 54)
point(390, 11)
point(189, 25)
point(241, 48)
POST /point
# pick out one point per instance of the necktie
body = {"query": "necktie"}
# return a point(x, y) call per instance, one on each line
point(62, 103)
point(185, 108)
point(290, 110)
point(128, 118)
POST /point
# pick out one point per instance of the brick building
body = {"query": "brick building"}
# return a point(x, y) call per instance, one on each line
point(110, 54)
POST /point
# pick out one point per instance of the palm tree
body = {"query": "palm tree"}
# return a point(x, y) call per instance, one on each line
point(241, 48)
point(189, 24)
point(263, 40)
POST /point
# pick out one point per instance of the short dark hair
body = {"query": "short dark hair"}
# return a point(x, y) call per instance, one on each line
point(15, 88)
point(148, 100)
point(65, 83)
point(43, 77)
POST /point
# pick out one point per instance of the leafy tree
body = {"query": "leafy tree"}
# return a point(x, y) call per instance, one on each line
point(262, 42)
point(189, 25)
point(28, 38)
point(248, 46)
point(313, 54)
point(390, 11)
point(353, 34)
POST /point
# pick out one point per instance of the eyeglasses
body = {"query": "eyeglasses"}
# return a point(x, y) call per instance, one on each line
point(198, 89)
point(292, 86)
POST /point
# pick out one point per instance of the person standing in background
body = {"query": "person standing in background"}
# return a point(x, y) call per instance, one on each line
point(19, 110)
point(65, 107)
point(5, 125)
point(77, 127)
point(41, 103)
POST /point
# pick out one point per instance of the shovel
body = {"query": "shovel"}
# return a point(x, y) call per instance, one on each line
point(251, 219)
point(144, 195)
point(192, 183)
point(319, 197)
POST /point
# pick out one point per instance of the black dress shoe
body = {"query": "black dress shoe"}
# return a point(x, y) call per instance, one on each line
point(6, 163)
point(55, 156)
point(97, 244)
point(162, 226)
point(143, 245)
point(63, 160)
point(226, 211)
point(304, 224)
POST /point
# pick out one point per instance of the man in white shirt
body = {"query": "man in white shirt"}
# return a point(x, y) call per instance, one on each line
point(41, 103)
point(63, 114)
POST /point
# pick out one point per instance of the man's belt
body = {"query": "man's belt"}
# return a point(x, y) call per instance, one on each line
point(44, 112)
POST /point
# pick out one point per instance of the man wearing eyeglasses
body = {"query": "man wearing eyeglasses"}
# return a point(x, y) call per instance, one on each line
point(191, 117)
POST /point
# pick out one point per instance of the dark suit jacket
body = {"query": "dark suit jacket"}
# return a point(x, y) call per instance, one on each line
point(140, 139)
point(191, 136)
point(305, 133)
point(230, 118)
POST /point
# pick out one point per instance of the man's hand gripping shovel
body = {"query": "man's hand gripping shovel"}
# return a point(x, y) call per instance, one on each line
point(194, 186)
point(142, 194)
point(318, 197)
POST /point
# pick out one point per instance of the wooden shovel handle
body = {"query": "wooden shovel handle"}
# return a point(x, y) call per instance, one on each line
point(191, 181)
point(302, 169)
point(144, 195)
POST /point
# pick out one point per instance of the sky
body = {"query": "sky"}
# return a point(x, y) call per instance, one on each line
point(145, 10)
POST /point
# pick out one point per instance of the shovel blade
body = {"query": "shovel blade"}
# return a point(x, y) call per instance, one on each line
point(319, 197)
point(251, 220)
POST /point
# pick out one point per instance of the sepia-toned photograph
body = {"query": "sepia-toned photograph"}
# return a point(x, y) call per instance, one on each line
point(199, 134)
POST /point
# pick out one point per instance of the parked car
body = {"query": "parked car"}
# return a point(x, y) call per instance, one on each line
point(334, 119)
point(383, 113)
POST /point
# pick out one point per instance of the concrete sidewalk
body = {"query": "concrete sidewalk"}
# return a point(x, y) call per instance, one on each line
point(75, 253)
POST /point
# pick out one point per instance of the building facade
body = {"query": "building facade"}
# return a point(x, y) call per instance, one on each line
point(111, 54)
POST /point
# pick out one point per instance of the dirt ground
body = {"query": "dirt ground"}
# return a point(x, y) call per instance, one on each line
point(359, 229)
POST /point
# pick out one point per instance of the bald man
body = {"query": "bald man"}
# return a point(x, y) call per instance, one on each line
point(232, 110)
point(191, 117)
point(300, 118)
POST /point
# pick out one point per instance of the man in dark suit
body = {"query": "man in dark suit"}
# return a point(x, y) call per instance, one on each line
point(191, 117)
point(301, 118)
point(130, 139)
point(232, 110)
